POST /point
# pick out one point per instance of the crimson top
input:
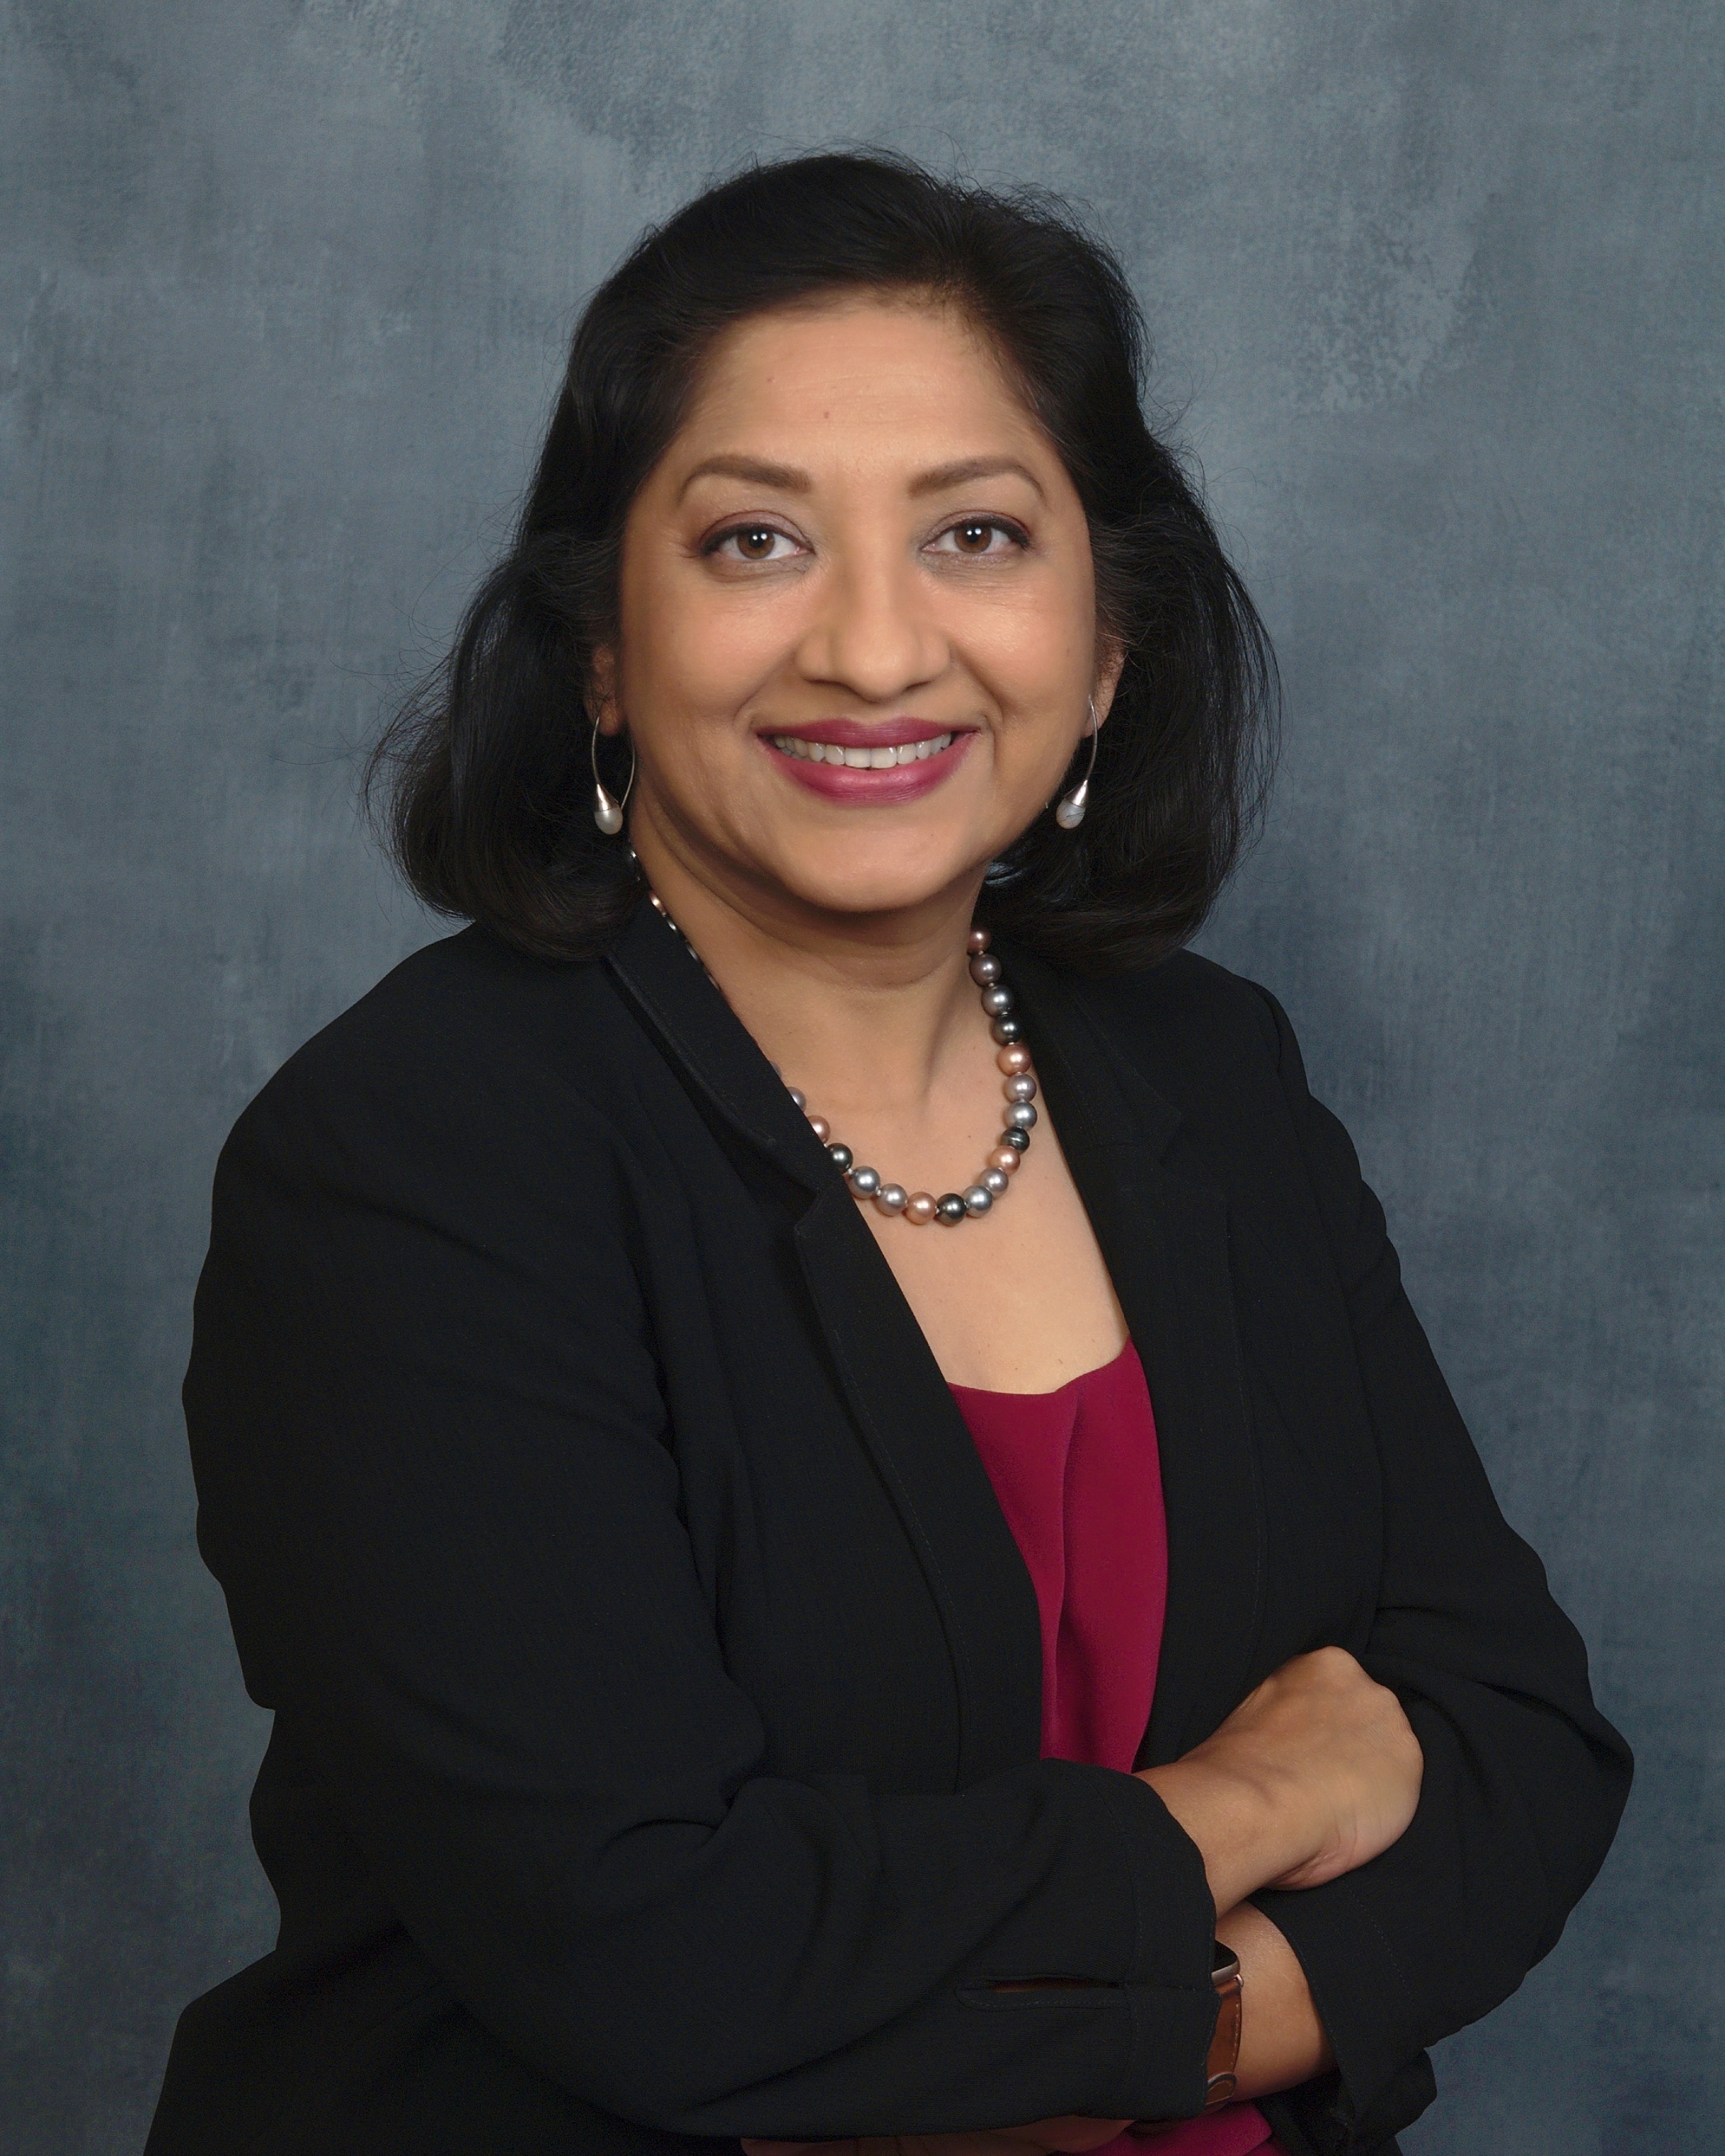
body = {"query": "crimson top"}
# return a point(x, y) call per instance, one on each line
point(1079, 1479)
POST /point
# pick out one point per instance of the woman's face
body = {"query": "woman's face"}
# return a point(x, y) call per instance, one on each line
point(857, 621)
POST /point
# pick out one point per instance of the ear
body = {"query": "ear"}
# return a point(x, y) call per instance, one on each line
point(601, 698)
point(1111, 664)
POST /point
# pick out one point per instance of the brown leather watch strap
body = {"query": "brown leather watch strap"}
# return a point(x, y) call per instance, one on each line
point(1221, 2066)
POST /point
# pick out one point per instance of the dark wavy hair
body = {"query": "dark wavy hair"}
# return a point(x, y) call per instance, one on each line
point(482, 779)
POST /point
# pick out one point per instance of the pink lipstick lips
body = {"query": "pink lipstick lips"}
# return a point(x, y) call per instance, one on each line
point(847, 760)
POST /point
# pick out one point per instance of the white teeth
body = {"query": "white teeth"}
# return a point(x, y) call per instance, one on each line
point(861, 759)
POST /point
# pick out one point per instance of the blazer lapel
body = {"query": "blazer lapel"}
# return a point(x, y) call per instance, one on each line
point(672, 989)
point(936, 1481)
point(1164, 1239)
point(885, 1368)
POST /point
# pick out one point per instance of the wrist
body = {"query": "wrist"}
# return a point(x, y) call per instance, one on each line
point(1244, 1819)
point(1282, 2041)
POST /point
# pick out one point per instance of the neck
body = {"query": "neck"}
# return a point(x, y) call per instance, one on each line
point(856, 1009)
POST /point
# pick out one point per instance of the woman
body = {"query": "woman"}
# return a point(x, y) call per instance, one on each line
point(852, 1536)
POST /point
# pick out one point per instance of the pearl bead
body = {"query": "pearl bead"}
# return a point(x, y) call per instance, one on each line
point(919, 1207)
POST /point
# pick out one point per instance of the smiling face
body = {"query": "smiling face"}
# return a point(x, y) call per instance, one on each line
point(857, 630)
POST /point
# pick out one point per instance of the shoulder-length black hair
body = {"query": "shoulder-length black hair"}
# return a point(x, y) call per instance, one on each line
point(484, 773)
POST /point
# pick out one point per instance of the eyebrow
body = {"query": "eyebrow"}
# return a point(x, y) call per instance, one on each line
point(787, 479)
point(944, 477)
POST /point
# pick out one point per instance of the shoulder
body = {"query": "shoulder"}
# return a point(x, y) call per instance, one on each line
point(1211, 1040)
point(1221, 1051)
point(467, 1002)
point(467, 1044)
point(1218, 1049)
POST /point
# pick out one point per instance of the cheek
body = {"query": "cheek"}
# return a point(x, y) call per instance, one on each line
point(1035, 641)
point(1040, 675)
point(691, 658)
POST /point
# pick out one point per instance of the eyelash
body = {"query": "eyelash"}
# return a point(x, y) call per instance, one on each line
point(736, 531)
point(1016, 533)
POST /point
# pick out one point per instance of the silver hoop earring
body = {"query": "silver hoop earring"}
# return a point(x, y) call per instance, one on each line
point(1070, 812)
point(608, 814)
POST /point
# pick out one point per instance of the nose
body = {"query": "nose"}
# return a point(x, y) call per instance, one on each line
point(874, 634)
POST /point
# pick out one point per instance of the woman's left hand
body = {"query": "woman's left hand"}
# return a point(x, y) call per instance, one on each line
point(1043, 2137)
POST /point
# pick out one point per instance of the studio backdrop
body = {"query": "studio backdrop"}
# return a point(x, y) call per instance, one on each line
point(1435, 293)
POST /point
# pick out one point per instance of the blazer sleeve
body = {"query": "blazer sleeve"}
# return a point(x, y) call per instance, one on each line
point(436, 1483)
point(1524, 1780)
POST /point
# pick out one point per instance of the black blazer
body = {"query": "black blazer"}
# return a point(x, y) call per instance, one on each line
point(656, 1681)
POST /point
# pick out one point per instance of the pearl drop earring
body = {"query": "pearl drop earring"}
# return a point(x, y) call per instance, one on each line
point(607, 813)
point(1070, 812)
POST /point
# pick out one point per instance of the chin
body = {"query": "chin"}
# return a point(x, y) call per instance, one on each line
point(899, 886)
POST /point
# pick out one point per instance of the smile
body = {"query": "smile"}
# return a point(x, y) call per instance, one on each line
point(861, 759)
point(868, 766)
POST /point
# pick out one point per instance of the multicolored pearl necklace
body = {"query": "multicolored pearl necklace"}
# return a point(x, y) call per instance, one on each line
point(919, 1207)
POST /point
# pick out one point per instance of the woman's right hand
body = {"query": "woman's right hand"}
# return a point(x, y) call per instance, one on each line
point(1313, 1774)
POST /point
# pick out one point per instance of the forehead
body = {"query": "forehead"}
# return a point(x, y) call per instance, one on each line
point(854, 373)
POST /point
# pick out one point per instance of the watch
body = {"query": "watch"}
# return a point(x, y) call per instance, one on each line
point(1221, 2066)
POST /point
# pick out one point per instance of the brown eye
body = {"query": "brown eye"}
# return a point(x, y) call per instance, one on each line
point(980, 537)
point(756, 545)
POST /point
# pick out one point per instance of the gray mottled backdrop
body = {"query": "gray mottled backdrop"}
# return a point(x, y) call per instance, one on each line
point(1437, 288)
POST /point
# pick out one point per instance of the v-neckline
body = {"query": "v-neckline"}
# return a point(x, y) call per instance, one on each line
point(1054, 1391)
